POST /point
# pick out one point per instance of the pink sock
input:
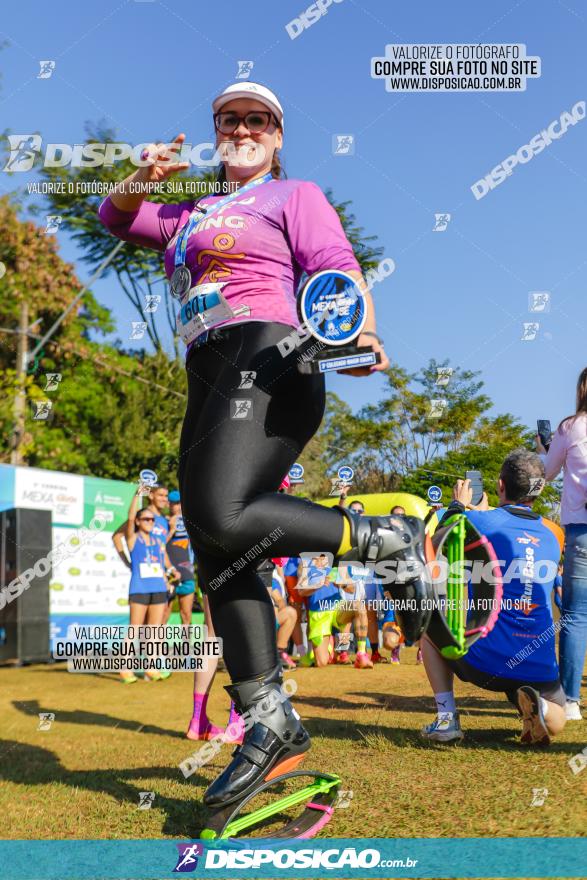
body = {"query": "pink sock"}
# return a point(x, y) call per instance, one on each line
point(233, 715)
point(200, 727)
point(200, 702)
point(235, 729)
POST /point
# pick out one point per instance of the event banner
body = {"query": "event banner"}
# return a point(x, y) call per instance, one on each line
point(90, 586)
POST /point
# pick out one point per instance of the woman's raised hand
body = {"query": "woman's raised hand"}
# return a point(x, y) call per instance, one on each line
point(162, 161)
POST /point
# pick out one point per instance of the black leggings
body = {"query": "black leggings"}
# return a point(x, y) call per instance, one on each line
point(230, 469)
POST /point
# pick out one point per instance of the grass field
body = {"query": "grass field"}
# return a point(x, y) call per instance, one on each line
point(82, 778)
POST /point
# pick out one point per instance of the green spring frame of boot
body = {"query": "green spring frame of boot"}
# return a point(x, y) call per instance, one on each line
point(456, 588)
point(472, 604)
point(319, 796)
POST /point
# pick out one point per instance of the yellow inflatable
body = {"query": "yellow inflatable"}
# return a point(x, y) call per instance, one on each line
point(380, 504)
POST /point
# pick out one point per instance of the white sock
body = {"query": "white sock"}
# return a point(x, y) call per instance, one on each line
point(544, 706)
point(445, 702)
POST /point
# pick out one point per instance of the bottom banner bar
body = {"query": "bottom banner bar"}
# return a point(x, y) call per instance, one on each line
point(337, 858)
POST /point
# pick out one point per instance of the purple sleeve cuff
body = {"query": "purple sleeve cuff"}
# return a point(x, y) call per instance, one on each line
point(152, 225)
point(112, 216)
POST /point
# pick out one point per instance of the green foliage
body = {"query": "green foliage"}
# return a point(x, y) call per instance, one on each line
point(394, 444)
point(486, 447)
point(113, 414)
point(387, 440)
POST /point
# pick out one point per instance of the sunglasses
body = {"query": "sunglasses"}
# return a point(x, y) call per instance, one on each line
point(257, 121)
point(146, 519)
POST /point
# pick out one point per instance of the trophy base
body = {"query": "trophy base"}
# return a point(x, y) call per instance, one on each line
point(343, 357)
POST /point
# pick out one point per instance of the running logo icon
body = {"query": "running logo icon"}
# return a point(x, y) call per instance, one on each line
point(539, 795)
point(146, 799)
point(23, 150)
point(188, 857)
point(243, 409)
point(53, 224)
point(539, 301)
point(152, 301)
point(437, 407)
point(41, 410)
point(343, 799)
point(244, 69)
point(343, 145)
point(46, 719)
point(441, 222)
point(138, 329)
point(52, 380)
point(537, 484)
point(443, 375)
point(530, 331)
point(47, 68)
point(578, 762)
point(247, 379)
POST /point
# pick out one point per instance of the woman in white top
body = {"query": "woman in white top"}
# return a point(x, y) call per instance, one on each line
point(568, 450)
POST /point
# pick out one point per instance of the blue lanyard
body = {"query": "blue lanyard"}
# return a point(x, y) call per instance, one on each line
point(196, 217)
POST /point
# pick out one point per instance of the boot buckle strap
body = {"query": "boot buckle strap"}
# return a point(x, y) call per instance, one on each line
point(254, 754)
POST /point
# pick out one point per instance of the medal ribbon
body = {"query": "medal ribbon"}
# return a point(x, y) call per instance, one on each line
point(196, 218)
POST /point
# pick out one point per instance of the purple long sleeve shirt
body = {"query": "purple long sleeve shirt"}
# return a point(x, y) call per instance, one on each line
point(258, 244)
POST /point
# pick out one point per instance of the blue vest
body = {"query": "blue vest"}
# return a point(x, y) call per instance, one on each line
point(526, 611)
point(154, 553)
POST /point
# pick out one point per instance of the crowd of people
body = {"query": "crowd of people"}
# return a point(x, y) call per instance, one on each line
point(321, 609)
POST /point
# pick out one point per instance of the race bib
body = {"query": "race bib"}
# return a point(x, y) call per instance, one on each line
point(150, 570)
point(205, 308)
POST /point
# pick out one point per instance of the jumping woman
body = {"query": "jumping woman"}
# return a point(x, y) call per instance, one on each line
point(250, 411)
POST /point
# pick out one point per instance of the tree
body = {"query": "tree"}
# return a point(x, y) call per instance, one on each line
point(385, 441)
point(138, 270)
point(395, 444)
point(113, 412)
point(486, 448)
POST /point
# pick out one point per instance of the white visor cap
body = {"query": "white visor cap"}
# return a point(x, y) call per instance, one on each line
point(250, 90)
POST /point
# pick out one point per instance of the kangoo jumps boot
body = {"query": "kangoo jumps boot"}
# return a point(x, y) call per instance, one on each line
point(401, 539)
point(274, 743)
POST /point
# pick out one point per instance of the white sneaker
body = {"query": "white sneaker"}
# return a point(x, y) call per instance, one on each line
point(573, 711)
point(446, 727)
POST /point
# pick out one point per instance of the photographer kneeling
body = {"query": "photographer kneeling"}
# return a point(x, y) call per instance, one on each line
point(523, 541)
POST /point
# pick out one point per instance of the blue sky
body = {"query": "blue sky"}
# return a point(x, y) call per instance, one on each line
point(150, 69)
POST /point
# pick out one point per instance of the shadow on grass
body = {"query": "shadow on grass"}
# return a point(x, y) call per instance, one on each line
point(481, 705)
point(402, 703)
point(31, 765)
point(99, 719)
point(376, 735)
